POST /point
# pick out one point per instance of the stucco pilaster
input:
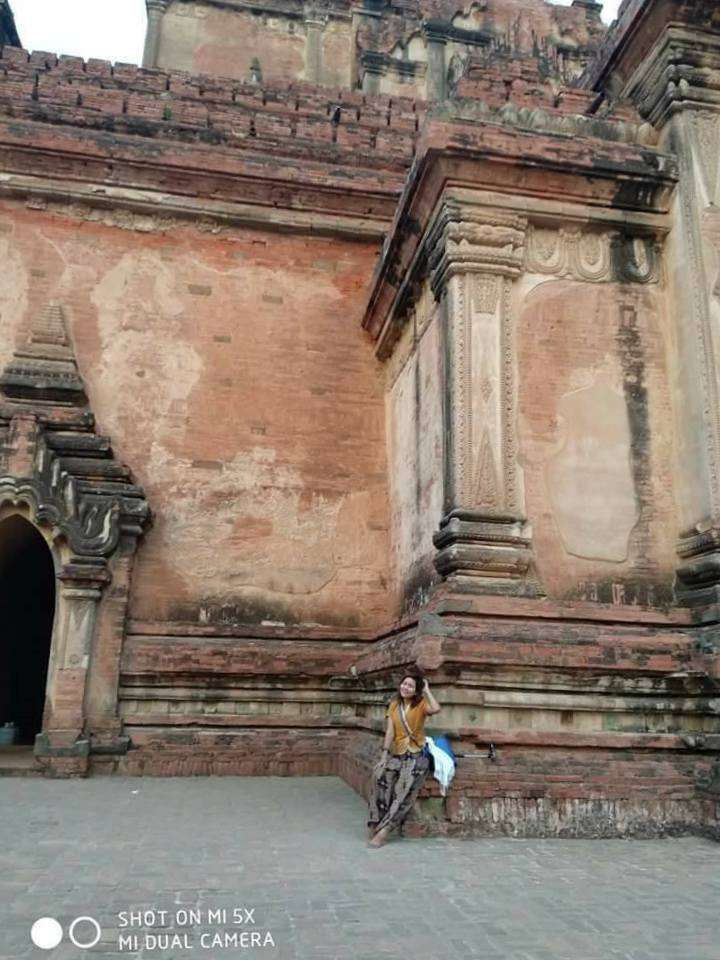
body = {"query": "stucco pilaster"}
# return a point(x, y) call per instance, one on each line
point(475, 254)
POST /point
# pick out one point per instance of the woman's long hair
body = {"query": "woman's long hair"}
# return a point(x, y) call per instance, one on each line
point(416, 674)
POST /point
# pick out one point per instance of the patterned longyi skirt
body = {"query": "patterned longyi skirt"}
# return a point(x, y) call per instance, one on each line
point(393, 793)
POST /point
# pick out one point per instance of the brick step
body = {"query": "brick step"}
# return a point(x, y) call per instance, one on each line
point(19, 761)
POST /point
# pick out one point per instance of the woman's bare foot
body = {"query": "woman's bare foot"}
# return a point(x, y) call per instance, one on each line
point(380, 838)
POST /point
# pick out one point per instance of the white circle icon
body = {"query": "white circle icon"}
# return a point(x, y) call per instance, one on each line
point(79, 943)
point(46, 933)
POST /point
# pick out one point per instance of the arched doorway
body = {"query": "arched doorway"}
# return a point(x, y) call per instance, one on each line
point(27, 610)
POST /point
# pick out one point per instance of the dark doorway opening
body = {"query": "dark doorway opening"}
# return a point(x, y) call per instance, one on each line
point(27, 609)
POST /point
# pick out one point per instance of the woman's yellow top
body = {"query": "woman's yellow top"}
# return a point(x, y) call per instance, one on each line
point(415, 718)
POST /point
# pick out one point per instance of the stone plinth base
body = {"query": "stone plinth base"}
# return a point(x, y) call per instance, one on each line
point(254, 752)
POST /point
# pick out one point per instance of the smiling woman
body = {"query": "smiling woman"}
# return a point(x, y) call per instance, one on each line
point(104, 29)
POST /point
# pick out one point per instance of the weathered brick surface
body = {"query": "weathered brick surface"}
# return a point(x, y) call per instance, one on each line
point(264, 506)
point(553, 793)
point(173, 105)
point(212, 242)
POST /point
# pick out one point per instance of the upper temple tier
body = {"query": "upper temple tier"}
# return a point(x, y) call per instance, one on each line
point(413, 48)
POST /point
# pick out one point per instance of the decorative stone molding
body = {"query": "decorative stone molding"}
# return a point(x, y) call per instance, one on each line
point(698, 576)
point(636, 259)
point(72, 481)
point(592, 256)
point(683, 70)
point(89, 512)
point(569, 253)
point(471, 241)
point(56, 471)
point(494, 549)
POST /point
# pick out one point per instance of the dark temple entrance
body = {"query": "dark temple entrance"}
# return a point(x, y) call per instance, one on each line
point(27, 608)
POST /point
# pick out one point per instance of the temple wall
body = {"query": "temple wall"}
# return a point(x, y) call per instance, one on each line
point(292, 41)
point(595, 437)
point(229, 369)
point(506, 438)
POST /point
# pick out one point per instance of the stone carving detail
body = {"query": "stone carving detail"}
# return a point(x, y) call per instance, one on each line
point(91, 516)
point(487, 493)
point(476, 458)
point(710, 228)
point(54, 461)
point(485, 298)
point(569, 253)
point(592, 256)
point(509, 436)
point(636, 259)
point(461, 384)
point(473, 240)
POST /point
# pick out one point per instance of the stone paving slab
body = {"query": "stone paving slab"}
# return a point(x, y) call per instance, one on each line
point(293, 851)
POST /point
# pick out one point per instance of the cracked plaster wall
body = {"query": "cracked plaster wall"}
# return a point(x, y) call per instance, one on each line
point(230, 371)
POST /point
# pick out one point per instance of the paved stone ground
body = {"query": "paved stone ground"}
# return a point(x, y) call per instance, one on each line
point(293, 850)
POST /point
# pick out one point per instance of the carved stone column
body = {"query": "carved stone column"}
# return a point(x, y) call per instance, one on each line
point(155, 12)
point(475, 254)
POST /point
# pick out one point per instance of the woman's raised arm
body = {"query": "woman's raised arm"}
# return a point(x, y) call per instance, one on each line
point(432, 705)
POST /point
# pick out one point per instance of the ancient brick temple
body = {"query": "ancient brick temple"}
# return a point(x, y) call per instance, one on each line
point(344, 336)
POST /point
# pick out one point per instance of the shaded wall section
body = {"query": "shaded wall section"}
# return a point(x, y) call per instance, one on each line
point(230, 370)
point(414, 377)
